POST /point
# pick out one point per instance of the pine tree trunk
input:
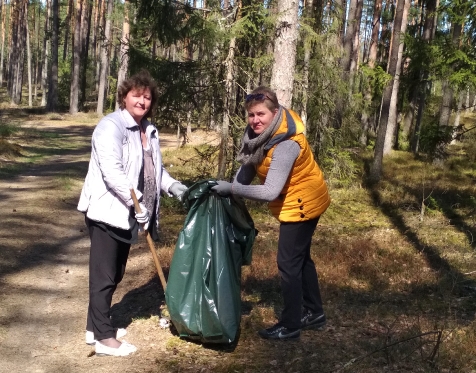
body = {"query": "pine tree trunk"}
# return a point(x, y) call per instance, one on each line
point(376, 167)
point(429, 30)
point(282, 76)
point(18, 42)
point(229, 101)
point(100, 40)
point(124, 52)
point(372, 59)
point(2, 53)
point(74, 90)
point(28, 57)
point(104, 58)
point(69, 23)
point(392, 115)
point(46, 47)
point(52, 104)
point(85, 32)
point(375, 33)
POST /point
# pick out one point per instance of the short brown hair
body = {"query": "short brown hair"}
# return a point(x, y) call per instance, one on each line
point(269, 98)
point(138, 81)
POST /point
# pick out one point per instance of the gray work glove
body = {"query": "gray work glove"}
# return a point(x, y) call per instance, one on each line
point(223, 188)
point(177, 189)
point(143, 216)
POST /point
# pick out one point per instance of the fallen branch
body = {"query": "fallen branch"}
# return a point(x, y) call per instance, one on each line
point(354, 360)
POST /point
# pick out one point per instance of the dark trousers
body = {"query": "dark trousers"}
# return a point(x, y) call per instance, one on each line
point(107, 264)
point(299, 280)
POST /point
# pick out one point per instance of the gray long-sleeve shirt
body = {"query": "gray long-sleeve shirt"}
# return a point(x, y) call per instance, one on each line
point(282, 161)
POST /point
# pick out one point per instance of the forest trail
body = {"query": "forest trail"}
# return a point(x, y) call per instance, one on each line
point(44, 250)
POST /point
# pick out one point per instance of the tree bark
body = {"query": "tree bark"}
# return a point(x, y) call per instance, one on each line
point(124, 52)
point(69, 24)
point(85, 32)
point(4, 13)
point(429, 30)
point(17, 49)
point(104, 60)
point(376, 167)
point(75, 68)
point(52, 104)
point(28, 57)
point(392, 115)
point(286, 35)
point(46, 47)
point(375, 33)
point(372, 59)
point(229, 101)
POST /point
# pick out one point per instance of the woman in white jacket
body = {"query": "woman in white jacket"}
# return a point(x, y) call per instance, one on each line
point(125, 155)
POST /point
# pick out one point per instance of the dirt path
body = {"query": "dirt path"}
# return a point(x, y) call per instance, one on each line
point(44, 252)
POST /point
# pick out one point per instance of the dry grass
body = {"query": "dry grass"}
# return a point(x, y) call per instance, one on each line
point(398, 284)
point(397, 281)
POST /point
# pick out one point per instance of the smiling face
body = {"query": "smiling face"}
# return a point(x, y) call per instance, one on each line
point(260, 117)
point(137, 102)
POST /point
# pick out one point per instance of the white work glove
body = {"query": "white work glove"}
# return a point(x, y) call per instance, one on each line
point(177, 189)
point(223, 188)
point(143, 217)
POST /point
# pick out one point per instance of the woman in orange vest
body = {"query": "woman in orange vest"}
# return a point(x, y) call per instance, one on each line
point(275, 149)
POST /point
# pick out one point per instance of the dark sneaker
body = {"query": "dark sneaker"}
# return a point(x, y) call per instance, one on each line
point(311, 320)
point(279, 332)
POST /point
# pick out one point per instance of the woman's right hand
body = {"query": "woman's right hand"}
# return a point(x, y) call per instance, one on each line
point(143, 216)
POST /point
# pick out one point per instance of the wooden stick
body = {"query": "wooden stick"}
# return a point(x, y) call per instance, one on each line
point(150, 242)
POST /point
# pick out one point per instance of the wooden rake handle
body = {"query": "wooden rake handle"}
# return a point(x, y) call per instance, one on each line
point(150, 242)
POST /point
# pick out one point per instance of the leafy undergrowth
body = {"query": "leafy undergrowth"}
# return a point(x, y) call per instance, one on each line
point(396, 265)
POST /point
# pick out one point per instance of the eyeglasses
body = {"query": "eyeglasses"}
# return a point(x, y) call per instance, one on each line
point(257, 97)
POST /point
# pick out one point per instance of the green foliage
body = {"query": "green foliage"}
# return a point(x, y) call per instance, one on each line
point(376, 79)
point(434, 138)
point(339, 167)
point(111, 97)
point(7, 130)
point(64, 82)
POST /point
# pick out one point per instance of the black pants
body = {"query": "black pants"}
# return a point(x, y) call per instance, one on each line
point(299, 280)
point(107, 264)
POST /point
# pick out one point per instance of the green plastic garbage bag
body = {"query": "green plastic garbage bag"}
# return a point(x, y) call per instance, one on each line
point(203, 289)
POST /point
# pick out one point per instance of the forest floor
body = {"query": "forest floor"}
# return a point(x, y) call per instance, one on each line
point(398, 286)
point(44, 251)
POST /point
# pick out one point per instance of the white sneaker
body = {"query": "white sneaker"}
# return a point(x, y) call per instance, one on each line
point(121, 332)
point(123, 350)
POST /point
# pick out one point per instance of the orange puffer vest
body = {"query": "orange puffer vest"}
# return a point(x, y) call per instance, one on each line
point(305, 195)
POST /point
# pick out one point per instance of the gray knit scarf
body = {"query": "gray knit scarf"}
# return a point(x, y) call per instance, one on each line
point(252, 146)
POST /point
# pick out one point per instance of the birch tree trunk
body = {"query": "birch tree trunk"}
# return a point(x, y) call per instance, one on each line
point(52, 104)
point(392, 115)
point(376, 167)
point(124, 52)
point(74, 90)
point(282, 76)
point(104, 60)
